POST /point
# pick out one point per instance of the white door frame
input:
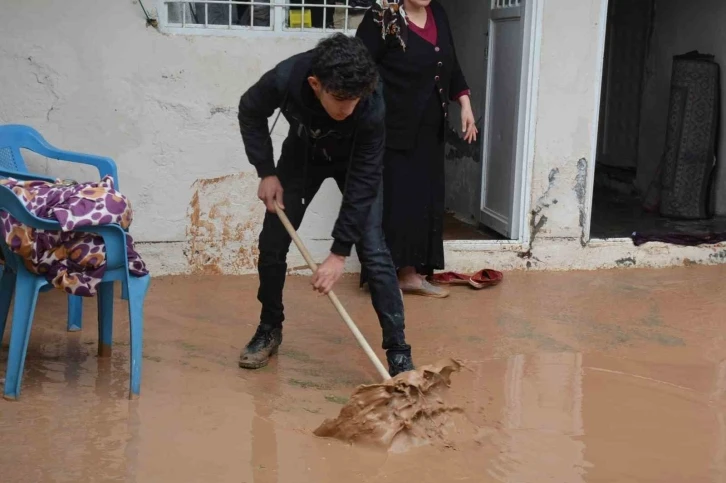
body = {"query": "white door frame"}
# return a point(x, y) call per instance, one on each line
point(602, 27)
point(529, 88)
point(501, 13)
point(533, 40)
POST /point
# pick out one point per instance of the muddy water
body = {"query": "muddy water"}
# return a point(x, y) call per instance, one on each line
point(607, 376)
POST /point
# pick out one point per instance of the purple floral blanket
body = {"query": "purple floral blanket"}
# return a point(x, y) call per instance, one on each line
point(70, 261)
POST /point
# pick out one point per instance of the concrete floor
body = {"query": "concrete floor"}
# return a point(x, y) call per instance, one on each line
point(595, 376)
point(456, 229)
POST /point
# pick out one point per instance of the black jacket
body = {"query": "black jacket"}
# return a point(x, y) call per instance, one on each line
point(314, 136)
point(411, 76)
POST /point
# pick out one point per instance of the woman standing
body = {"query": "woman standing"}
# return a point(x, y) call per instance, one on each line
point(421, 74)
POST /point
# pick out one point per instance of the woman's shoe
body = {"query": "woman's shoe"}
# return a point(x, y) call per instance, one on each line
point(486, 278)
point(449, 278)
point(427, 290)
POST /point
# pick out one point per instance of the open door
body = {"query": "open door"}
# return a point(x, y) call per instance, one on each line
point(628, 30)
point(504, 125)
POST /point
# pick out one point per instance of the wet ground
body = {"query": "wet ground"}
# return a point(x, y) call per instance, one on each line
point(596, 376)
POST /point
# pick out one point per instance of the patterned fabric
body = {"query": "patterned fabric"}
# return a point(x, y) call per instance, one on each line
point(70, 261)
point(691, 137)
point(391, 17)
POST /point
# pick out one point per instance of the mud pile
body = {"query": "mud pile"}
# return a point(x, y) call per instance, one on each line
point(409, 410)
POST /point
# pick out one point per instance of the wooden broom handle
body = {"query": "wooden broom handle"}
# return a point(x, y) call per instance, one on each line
point(333, 298)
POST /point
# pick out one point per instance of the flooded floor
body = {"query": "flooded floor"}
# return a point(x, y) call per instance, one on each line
point(598, 376)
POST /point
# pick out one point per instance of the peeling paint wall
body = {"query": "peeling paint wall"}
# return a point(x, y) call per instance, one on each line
point(92, 77)
point(565, 117)
point(222, 228)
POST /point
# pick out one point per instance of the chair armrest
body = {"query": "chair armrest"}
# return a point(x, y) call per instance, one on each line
point(114, 239)
point(6, 173)
point(105, 166)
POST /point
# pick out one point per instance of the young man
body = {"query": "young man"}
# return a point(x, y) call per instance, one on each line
point(332, 98)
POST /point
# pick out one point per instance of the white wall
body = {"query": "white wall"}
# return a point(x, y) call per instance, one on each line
point(92, 77)
point(568, 94)
point(679, 28)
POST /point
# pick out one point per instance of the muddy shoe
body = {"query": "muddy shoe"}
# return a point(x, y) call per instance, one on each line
point(399, 362)
point(258, 351)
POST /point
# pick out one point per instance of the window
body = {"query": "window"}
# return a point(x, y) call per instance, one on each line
point(497, 4)
point(293, 16)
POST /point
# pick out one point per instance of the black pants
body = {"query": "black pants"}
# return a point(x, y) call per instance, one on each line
point(372, 252)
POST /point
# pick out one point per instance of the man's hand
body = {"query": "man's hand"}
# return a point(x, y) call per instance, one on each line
point(328, 273)
point(270, 190)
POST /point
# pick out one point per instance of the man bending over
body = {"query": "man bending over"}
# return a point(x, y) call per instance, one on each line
point(332, 98)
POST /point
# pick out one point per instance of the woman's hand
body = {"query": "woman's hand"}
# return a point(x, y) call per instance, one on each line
point(468, 126)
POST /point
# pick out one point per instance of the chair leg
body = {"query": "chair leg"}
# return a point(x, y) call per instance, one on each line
point(138, 286)
point(27, 288)
point(75, 313)
point(105, 319)
point(7, 288)
point(124, 292)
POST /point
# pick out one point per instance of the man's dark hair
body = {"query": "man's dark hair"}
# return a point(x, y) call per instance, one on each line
point(344, 67)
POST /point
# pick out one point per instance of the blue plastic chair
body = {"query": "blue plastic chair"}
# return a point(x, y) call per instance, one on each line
point(26, 286)
point(14, 137)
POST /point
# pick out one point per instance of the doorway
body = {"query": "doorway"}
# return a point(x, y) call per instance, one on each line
point(657, 171)
point(486, 181)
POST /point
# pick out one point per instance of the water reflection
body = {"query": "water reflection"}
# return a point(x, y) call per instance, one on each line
point(541, 420)
point(264, 438)
point(645, 420)
point(71, 419)
point(718, 461)
point(131, 450)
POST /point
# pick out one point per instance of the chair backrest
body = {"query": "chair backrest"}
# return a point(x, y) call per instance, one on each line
point(13, 137)
point(11, 159)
